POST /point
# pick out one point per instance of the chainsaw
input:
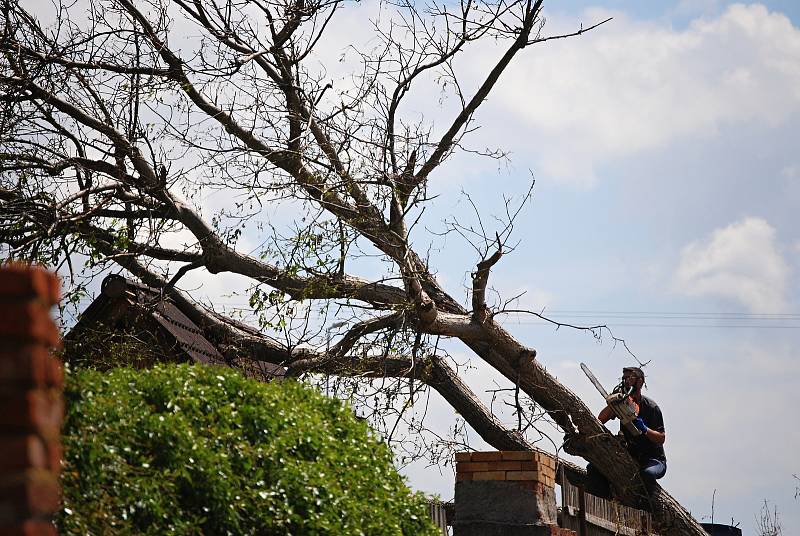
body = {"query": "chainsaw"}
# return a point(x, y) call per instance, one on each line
point(620, 401)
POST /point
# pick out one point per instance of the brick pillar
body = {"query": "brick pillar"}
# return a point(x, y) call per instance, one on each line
point(506, 493)
point(31, 406)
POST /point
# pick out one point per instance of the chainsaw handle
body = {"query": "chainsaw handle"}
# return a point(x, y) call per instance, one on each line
point(617, 399)
point(630, 427)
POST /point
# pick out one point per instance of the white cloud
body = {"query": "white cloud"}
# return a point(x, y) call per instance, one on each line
point(631, 86)
point(791, 172)
point(718, 414)
point(739, 262)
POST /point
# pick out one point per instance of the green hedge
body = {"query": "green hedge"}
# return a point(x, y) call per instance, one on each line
point(202, 450)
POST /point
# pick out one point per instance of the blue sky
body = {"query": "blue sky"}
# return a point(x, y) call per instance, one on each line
point(665, 150)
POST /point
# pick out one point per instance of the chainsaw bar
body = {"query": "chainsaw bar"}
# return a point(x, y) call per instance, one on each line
point(594, 380)
point(625, 417)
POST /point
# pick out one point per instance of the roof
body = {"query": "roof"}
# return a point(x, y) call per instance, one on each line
point(121, 298)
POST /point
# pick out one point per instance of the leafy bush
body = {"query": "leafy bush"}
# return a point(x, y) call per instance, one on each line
point(202, 450)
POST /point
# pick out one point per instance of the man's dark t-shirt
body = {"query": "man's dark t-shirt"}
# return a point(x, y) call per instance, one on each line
point(640, 447)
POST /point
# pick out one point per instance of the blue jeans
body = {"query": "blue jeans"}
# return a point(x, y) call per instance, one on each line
point(598, 485)
point(654, 469)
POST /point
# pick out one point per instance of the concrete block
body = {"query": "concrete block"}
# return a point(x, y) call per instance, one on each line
point(493, 529)
point(491, 501)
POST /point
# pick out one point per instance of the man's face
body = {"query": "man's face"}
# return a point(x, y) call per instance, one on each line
point(631, 379)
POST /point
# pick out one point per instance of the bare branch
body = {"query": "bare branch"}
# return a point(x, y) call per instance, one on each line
point(480, 279)
point(446, 142)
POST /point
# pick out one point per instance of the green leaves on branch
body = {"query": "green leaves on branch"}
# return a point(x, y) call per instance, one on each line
point(202, 450)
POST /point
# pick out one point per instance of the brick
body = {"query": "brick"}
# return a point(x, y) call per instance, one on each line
point(546, 460)
point(36, 410)
point(471, 467)
point(21, 452)
point(29, 528)
point(505, 466)
point(523, 475)
point(489, 475)
point(517, 455)
point(55, 453)
point(33, 493)
point(29, 365)
point(463, 456)
point(28, 321)
point(464, 477)
point(529, 466)
point(55, 372)
point(494, 456)
point(558, 531)
point(23, 281)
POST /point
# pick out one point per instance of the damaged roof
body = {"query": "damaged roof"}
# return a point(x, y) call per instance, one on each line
point(122, 299)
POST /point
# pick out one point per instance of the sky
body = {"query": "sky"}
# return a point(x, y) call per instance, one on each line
point(667, 164)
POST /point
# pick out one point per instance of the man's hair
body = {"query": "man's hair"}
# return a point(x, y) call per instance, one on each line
point(636, 371)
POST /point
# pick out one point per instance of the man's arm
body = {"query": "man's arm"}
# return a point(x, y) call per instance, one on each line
point(655, 436)
point(653, 430)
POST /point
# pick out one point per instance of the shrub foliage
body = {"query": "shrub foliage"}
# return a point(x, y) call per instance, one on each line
point(202, 450)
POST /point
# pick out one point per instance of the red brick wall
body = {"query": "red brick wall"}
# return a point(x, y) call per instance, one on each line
point(31, 406)
point(514, 490)
point(519, 466)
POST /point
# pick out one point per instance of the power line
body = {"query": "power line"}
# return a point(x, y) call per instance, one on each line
point(640, 325)
point(689, 319)
point(668, 314)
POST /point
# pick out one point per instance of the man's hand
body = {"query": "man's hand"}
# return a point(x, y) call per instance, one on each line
point(639, 423)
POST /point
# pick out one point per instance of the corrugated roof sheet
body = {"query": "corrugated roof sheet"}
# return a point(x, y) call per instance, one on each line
point(118, 290)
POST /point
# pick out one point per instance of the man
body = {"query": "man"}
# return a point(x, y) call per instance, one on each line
point(647, 448)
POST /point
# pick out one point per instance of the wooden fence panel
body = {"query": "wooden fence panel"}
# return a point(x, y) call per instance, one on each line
point(602, 517)
point(438, 515)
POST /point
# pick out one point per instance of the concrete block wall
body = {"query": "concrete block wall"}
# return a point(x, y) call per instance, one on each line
point(31, 405)
point(506, 493)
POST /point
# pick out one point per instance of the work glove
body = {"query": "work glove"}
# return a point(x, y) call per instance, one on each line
point(639, 423)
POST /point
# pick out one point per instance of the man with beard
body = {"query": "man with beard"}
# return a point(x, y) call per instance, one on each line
point(647, 448)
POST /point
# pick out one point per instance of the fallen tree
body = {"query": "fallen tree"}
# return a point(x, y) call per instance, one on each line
point(105, 119)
